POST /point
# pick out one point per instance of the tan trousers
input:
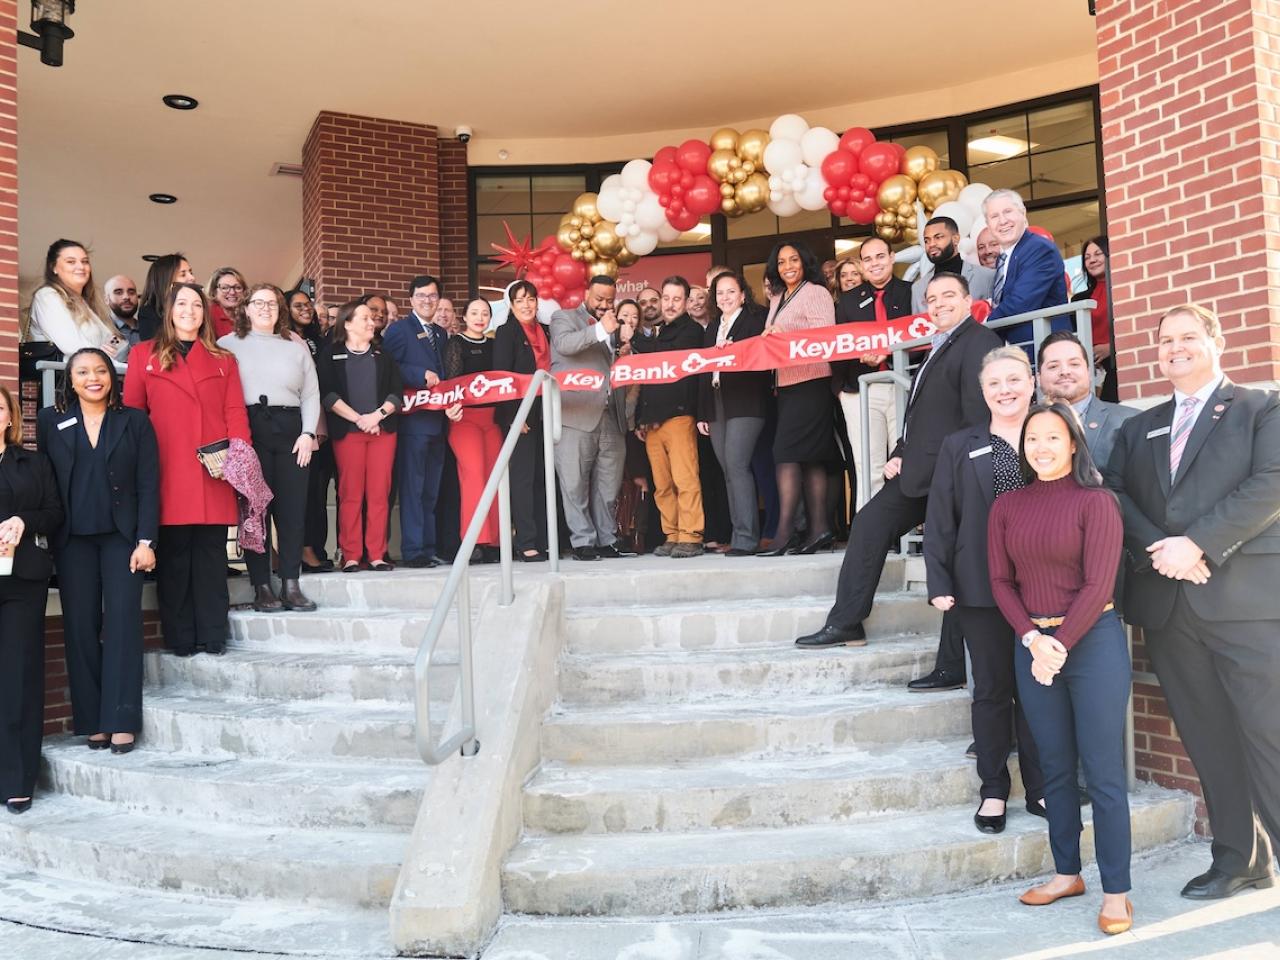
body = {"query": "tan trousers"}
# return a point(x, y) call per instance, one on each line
point(672, 447)
point(884, 434)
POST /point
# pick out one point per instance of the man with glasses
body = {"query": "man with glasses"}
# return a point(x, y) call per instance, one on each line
point(417, 345)
point(226, 290)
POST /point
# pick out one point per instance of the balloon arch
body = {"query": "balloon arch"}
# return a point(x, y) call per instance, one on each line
point(788, 168)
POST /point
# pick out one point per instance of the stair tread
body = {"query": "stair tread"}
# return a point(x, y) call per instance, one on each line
point(330, 613)
point(258, 653)
point(713, 605)
point(179, 698)
point(747, 654)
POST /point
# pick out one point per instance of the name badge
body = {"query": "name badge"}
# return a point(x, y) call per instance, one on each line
point(338, 356)
point(1157, 433)
point(980, 452)
point(423, 335)
point(68, 423)
point(866, 302)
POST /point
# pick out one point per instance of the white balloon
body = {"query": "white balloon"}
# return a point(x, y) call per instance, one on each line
point(642, 243)
point(958, 212)
point(636, 174)
point(973, 195)
point(649, 213)
point(776, 195)
point(785, 206)
point(979, 225)
point(816, 144)
point(775, 182)
point(782, 155)
point(629, 205)
point(609, 200)
point(909, 255)
point(789, 126)
point(788, 177)
point(969, 249)
point(667, 233)
point(810, 197)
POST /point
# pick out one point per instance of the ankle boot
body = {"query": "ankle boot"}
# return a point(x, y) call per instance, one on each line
point(292, 597)
point(264, 601)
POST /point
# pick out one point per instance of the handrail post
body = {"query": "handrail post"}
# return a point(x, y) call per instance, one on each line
point(864, 441)
point(470, 746)
point(550, 435)
point(508, 594)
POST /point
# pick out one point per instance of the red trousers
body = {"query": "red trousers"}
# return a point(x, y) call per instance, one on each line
point(475, 441)
point(365, 463)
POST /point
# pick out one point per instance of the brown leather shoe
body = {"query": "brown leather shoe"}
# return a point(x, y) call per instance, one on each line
point(264, 601)
point(1035, 897)
point(292, 597)
point(1111, 925)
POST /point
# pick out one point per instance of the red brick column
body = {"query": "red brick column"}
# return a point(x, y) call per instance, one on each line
point(370, 205)
point(9, 193)
point(455, 237)
point(1191, 150)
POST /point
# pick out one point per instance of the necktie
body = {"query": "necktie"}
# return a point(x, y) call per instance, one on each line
point(998, 290)
point(882, 315)
point(1181, 430)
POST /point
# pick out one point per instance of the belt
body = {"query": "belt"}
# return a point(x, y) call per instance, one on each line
point(1057, 621)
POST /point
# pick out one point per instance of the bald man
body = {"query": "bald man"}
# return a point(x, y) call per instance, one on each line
point(122, 300)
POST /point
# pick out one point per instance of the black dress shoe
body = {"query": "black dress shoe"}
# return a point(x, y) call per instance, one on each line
point(538, 557)
point(831, 636)
point(1036, 809)
point(490, 555)
point(792, 543)
point(98, 744)
point(739, 552)
point(986, 824)
point(826, 541)
point(934, 681)
point(1214, 884)
point(585, 553)
point(421, 562)
point(611, 552)
point(18, 806)
point(120, 748)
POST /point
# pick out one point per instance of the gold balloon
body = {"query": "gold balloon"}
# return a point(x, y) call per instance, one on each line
point(907, 211)
point(751, 146)
point(606, 241)
point(585, 207)
point(889, 234)
point(589, 255)
point(919, 161)
point(575, 236)
point(726, 138)
point(748, 167)
point(738, 175)
point(604, 267)
point(729, 207)
point(576, 253)
point(575, 221)
point(937, 188)
point(588, 230)
point(625, 257)
point(895, 191)
point(753, 193)
point(718, 164)
point(565, 237)
point(726, 190)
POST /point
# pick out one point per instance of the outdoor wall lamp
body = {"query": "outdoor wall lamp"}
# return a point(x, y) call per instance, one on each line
point(49, 21)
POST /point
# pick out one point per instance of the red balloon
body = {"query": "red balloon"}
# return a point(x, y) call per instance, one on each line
point(704, 196)
point(839, 207)
point(878, 161)
point(662, 175)
point(686, 179)
point(677, 191)
point(557, 291)
point(861, 182)
point(567, 271)
point(549, 257)
point(980, 311)
point(665, 155)
point(843, 192)
point(692, 155)
point(1041, 231)
point(856, 139)
point(901, 151)
point(664, 199)
point(682, 220)
point(572, 299)
point(676, 206)
point(864, 210)
point(544, 290)
point(838, 167)
point(830, 194)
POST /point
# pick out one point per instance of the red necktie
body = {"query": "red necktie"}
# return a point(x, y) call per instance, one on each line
point(882, 315)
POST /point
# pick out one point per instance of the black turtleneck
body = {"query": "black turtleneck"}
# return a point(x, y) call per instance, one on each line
point(953, 265)
point(184, 346)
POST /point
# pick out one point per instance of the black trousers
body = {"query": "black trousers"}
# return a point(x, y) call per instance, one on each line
point(1222, 680)
point(275, 431)
point(996, 707)
point(316, 523)
point(950, 656)
point(528, 491)
point(102, 621)
point(875, 529)
point(191, 586)
point(22, 605)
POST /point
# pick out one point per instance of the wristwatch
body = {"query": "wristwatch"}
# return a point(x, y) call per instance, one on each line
point(1029, 637)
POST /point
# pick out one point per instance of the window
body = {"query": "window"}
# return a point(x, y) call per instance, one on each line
point(532, 205)
point(1042, 153)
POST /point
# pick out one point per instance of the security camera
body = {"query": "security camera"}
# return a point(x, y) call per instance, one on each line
point(463, 133)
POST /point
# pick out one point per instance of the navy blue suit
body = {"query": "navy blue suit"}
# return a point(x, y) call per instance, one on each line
point(416, 348)
point(1035, 278)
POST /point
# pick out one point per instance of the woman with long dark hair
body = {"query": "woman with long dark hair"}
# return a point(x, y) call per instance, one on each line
point(67, 311)
point(106, 461)
point(805, 439)
point(1096, 258)
point(1053, 548)
point(190, 387)
point(163, 273)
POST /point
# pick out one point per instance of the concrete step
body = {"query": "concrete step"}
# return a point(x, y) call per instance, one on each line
point(389, 630)
point(348, 795)
point(758, 621)
point(402, 588)
point(91, 840)
point(253, 672)
point(726, 728)
point(772, 670)
point(751, 793)
point(902, 857)
point(189, 721)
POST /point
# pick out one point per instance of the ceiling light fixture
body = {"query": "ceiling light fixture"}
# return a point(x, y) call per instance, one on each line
point(1001, 147)
point(180, 101)
point(151, 257)
point(162, 198)
point(49, 21)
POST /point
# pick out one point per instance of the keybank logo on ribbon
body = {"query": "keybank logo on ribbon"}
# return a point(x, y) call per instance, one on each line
point(696, 363)
point(581, 380)
point(843, 344)
point(481, 386)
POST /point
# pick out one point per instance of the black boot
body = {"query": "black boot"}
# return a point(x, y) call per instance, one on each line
point(292, 597)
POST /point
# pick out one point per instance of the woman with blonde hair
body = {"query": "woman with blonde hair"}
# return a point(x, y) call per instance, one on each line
point(67, 310)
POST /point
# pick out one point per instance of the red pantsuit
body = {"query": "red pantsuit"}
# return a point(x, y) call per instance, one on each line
point(475, 441)
point(365, 464)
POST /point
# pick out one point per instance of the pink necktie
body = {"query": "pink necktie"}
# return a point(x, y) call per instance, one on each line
point(1178, 442)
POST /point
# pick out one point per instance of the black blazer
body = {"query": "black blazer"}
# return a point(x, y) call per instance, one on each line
point(743, 394)
point(331, 374)
point(28, 489)
point(859, 306)
point(512, 351)
point(1226, 498)
point(955, 527)
point(660, 402)
point(133, 468)
point(947, 398)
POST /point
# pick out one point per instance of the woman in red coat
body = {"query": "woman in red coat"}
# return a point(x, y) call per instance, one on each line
point(191, 389)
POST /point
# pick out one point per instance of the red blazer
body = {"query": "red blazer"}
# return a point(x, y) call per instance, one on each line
point(222, 322)
point(197, 401)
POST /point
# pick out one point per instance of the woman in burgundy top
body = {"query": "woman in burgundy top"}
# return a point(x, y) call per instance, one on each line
point(1053, 548)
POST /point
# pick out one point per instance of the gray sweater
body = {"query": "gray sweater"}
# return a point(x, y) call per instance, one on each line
point(281, 370)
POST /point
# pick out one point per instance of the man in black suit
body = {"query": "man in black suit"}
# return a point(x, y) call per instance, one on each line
point(945, 396)
point(1199, 484)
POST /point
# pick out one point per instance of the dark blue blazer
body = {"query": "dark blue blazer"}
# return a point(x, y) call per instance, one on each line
point(133, 468)
point(1035, 278)
point(414, 352)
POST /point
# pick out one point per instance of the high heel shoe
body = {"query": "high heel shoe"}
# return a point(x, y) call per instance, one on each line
point(792, 543)
point(825, 541)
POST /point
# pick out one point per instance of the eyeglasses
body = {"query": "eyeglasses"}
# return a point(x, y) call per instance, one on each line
point(425, 296)
point(229, 288)
point(264, 303)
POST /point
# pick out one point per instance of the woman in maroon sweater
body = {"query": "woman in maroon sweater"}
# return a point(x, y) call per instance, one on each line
point(1053, 548)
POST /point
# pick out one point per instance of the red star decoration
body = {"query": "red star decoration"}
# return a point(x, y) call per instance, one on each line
point(520, 255)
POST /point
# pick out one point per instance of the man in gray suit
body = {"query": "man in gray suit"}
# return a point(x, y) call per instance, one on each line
point(591, 451)
point(1064, 376)
point(941, 243)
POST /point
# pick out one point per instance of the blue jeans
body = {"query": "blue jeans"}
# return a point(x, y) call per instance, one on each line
point(1081, 717)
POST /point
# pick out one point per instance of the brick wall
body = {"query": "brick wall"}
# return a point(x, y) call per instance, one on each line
point(455, 238)
point(1191, 151)
point(57, 694)
point(370, 199)
point(9, 193)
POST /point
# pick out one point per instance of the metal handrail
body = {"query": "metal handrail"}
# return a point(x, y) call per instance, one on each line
point(459, 580)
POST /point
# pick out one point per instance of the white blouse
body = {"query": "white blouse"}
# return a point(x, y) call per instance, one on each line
point(52, 322)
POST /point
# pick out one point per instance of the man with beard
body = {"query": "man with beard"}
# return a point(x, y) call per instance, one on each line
point(941, 242)
point(1063, 375)
point(122, 301)
point(650, 303)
